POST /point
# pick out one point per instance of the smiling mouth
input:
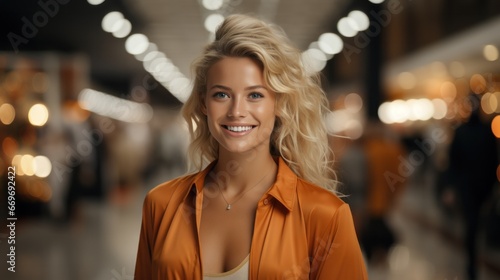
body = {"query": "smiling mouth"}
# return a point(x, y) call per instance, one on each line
point(238, 128)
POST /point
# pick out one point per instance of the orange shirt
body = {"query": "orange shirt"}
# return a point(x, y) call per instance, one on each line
point(301, 231)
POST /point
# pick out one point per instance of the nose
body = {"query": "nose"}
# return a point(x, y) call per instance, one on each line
point(237, 108)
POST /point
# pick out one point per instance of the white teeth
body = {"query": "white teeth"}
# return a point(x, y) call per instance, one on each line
point(239, 128)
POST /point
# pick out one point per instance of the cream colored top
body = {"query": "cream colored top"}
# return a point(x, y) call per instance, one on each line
point(238, 273)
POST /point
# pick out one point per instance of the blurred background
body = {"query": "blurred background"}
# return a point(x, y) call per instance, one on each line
point(90, 93)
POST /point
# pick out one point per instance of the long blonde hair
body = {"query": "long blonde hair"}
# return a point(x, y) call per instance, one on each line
point(299, 135)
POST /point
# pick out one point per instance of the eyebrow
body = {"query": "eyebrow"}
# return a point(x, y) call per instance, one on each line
point(247, 88)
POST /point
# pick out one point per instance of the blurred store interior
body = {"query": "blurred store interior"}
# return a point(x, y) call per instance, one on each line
point(90, 93)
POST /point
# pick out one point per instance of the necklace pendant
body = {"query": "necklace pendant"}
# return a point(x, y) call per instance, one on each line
point(228, 207)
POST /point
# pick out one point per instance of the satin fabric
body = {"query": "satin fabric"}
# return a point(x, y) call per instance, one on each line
point(301, 231)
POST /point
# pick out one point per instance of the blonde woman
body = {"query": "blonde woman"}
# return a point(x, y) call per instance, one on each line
point(265, 207)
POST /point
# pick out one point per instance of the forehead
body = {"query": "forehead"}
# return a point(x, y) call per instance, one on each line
point(235, 71)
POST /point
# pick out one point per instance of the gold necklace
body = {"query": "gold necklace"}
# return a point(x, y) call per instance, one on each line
point(228, 205)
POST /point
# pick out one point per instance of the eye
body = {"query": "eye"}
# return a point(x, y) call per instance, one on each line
point(255, 95)
point(220, 95)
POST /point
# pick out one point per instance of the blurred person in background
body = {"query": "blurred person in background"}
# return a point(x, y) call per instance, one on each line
point(473, 161)
point(353, 170)
point(384, 156)
point(265, 207)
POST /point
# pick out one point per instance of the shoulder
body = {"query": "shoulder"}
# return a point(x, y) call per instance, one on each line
point(318, 203)
point(161, 195)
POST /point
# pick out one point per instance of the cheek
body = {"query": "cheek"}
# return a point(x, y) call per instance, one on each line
point(267, 113)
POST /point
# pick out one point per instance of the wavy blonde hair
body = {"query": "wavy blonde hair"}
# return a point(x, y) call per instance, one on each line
point(299, 135)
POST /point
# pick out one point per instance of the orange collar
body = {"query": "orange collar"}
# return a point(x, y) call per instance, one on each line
point(283, 189)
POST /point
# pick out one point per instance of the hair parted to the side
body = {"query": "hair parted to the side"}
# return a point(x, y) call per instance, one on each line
point(299, 136)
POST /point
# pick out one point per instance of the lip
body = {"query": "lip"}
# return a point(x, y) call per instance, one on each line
point(235, 133)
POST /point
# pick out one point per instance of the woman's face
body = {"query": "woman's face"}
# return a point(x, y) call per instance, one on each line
point(238, 105)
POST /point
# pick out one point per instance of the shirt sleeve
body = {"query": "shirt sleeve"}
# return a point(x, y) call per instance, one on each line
point(143, 265)
point(338, 255)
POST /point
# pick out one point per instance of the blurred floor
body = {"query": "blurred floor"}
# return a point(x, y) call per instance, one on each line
point(101, 243)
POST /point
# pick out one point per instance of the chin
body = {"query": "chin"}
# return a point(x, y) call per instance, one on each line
point(237, 149)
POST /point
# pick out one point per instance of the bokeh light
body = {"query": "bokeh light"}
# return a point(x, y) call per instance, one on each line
point(16, 162)
point(413, 106)
point(123, 29)
point(95, 2)
point(353, 129)
point(41, 166)
point(136, 43)
point(353, 102)
point(7, 113)
point(495, 126)
point(360, 20)
point(38, 115)
point(477, 83)
point(313, 60)
point(495, 101)
point(180, 88)
point(212, 5)
point(315, 45)
point(383, 113)
point(490, 52)
point(152, 48)
point(110, 21)
point(335, 121)
point(424, 109)
point(9, 146)
point(448, 91)
point(440, 108)
point(345, 27)
point(330, 43)
point(26, 164)
point(114, 107)
point(489, 103)
point(213, 21)
point(400, 111)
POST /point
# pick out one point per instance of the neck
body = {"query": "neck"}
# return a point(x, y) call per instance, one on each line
point(238, 172)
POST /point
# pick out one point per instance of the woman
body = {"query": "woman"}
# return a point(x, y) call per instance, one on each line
point(264, 208)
